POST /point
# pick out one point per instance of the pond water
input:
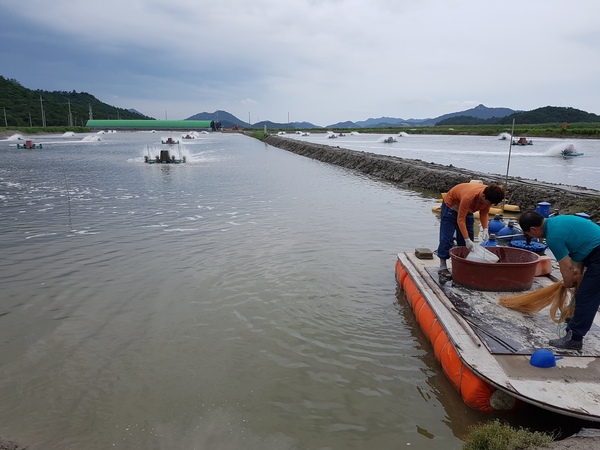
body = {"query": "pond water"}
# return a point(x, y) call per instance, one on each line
point(243, 300)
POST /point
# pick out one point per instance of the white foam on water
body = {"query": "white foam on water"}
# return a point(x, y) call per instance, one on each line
point(557, 149)
point(91, 139)
point(40, 235)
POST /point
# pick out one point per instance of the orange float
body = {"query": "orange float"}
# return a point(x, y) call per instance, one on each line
point(474, 391)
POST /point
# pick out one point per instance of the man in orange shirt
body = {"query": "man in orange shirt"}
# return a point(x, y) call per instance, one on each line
point(457, 218)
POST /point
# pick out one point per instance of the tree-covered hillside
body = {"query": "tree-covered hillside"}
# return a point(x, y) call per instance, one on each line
point(22, 107)
point(552, 114)
point(547, 114)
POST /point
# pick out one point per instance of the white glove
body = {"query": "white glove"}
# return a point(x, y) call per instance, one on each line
point(485, 235)
point(470, 244)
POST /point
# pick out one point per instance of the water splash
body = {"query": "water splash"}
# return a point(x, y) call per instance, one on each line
point(557, 149)
point(91, 139)
point(193, 134)
point(152, 151)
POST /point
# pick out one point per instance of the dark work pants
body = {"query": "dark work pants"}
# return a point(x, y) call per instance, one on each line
point(587, 297)
point(449, 226)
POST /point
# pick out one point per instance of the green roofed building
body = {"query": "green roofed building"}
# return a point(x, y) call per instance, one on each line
point(154, 124)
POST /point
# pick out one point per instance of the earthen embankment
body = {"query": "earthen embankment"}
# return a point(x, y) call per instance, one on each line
point(435, 178)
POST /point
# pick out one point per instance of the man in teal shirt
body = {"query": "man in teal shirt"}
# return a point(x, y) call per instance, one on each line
point(575, 243)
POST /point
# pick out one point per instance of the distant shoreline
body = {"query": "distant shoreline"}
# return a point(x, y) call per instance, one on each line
point(42, 132)
point(530, 131)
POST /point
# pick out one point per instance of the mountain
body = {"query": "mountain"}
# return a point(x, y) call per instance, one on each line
point(552, 114)
point(347, 124)
point(24, 107)
point(291, 125)
point(229, 120)
point(380, 122)
point(134, 111)
point(479, 112)
point(547, 114)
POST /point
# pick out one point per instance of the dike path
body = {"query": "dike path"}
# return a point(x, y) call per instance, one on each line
point(436, 178)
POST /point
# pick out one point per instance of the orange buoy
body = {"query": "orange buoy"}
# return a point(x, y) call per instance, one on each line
point(475, 392)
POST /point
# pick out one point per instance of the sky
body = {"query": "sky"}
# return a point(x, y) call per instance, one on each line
point(317, 61)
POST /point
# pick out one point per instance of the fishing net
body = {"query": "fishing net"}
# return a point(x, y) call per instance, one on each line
point(557, 296)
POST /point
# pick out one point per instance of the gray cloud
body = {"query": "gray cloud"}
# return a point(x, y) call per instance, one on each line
point(319, 61)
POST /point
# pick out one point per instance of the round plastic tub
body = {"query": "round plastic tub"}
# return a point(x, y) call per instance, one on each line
point(514, 271)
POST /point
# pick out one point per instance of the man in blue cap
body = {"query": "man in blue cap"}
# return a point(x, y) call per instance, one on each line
point(575, 243)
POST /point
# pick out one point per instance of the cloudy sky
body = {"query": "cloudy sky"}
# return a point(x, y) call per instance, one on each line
point(320, 61)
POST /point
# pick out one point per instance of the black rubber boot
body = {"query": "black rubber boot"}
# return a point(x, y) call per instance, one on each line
point(566, 342)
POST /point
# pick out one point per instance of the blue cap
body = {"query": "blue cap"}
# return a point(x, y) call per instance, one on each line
point(543, 358)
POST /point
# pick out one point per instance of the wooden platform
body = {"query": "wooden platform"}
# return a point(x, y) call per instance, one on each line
point(496, 342)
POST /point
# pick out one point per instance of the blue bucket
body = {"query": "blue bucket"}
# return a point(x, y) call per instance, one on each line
point(543, 358)
point(496, 224)
point(543, 208)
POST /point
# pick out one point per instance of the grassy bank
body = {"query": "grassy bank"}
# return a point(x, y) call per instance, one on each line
point(498, 436)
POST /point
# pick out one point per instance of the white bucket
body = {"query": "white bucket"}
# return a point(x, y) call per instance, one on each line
point(481, 254)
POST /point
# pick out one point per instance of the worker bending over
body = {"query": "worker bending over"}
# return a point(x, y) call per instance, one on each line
point(458, 207)
point(575, 243)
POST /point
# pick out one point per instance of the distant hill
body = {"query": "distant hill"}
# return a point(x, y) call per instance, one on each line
point(464, 120)
point(291, 125)
point(547, 114)
point(552, 114)
point(135, 111)
point(229, 120)
point(23, 107)
point(347, 124)
point(380, 122)
point(479, 112)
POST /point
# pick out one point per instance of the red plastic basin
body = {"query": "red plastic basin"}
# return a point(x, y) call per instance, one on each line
point(514, 272)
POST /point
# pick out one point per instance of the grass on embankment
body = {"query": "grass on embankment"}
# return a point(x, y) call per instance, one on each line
point(498, 436)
